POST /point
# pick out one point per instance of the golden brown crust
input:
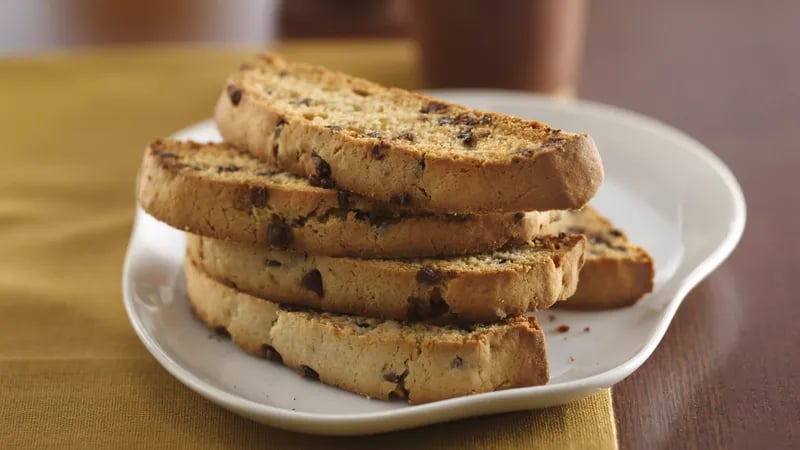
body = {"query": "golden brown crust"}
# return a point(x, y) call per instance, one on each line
point(548, 170)
point(465, 290)
point(384, 359)
point(217, 191)
point(616, 273)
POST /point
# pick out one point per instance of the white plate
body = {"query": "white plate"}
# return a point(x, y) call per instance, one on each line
point(669, 192)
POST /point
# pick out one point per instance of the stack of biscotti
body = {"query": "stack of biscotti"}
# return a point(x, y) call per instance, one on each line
point(371, 238)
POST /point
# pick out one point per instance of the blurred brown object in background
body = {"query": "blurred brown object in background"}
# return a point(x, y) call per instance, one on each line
point(341, 18)
point(533, 45)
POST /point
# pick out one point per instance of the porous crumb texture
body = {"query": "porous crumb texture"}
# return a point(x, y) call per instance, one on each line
point(382, 359)
point(464, 290)
point(616, 272)
point(218, 191)
point(403, 147)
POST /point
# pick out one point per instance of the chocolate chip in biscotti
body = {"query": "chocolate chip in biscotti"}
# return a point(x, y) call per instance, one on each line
point(377, 152)
point(444, 120)
point(342, 198)
point(408, 136)
point(519, 216)
point(615, 232)
point(400, 199)
point(272, 263)
point(222, 332)
point(523, 151)
point(428, 275)
point(322, 170)
point(279, 233)
point(230, 168)
point(361, 92)
point(270, 353)
point(317, 181)
point(456, 363)
point(392, 377)
point(235, 94)
point(467, 137)
point(259, 195)
point(313, 282)
point(309, 373)
point(467, 118)
point(433, 107)
point(562, 235)
point(425, 309)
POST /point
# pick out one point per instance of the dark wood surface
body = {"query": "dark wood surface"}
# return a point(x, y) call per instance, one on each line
point(728, 73)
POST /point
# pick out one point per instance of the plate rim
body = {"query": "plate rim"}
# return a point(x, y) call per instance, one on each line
point(414, 415)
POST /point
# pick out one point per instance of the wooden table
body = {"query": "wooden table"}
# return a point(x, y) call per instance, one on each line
point(728, 73)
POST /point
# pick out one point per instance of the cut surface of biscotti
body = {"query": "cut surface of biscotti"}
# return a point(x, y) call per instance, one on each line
point(616, 272)
point(378, 359)
point(403, 147)
point(461, 289)
point(218, 191)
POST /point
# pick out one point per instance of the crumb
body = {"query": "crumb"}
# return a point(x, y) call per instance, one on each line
point(551, 318)
point(571, 359)
point(586, 330)
point(294, 398)
point(294, 409)
point(565, 339)
point(562, 328)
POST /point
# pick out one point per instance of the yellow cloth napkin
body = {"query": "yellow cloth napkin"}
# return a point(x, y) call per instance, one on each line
point(72, 372)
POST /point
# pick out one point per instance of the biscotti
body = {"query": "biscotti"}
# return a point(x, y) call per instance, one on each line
point(466, 289)
point(218, 191)
point(378, 359)
point(402, 147)
point(616, 273)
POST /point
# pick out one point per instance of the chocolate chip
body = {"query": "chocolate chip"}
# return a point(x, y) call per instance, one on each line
point(467, 137)
point(317, 181)
point(616, 233)
point(228, 169)
point(377, 152)
point(456, 363)
point(422, 162)
point(392, 377)
point(363, 325)
point(428, 275)
point(486, 119)
point(444, 120)
point(466, 118)
point(343, 198)
point(310, 373)
point(259, 196)
point(408, 136)
point(361, 92)
point(587, 329)
point(270, 353)
point(235, 94)
point(433, 107)
point(400, 199)
point(562, 235)
point(279, 128)
point(313, 282)
point(222, 331)
point(422, 309)
point(400, 394)
point(275, 150)
point(522, 151)
point(322, 168)
point(272, 263)
point(519, 216)
point(373, 134)
point(279, 234)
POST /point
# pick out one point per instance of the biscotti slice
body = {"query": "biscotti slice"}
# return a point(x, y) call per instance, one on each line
point(466, 289)
point(403, 147)
point(616, 273)
point(218, 191)
point(378, 359)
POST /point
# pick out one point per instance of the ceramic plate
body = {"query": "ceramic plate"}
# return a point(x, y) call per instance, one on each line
point(669, 192)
